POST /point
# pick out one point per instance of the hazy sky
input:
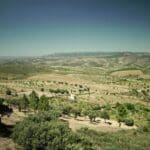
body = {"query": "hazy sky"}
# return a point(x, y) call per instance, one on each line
point(38, 27)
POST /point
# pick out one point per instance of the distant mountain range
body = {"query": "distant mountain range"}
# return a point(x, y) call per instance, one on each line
point(92, 59)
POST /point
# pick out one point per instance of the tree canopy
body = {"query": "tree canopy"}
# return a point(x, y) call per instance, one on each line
point(46, 131)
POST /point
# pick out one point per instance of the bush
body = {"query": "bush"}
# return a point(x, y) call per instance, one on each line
point(145, 129)
point(92, 115)
point(76, 111)
point(42, 132)
point(8, 92)
point(130, 107)
point(66, 109)
point(105, 115)
point(42, 89)
point(122, 111)
point(129, 122)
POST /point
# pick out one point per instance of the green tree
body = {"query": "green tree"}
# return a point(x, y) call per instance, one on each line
point(42, 131)
point(92, 115)
point(43, 103)
point(105, 115)
point(24, 102)
point(76, 111)
point(66, 109)
point(130, 107)
point(129, 122)
point(122, 111)
point(34, 100)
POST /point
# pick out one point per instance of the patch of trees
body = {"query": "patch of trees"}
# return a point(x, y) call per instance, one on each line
point(31, 102)
point(59, 91)
point(122, 113)
point(129, 139)
point(46, 131)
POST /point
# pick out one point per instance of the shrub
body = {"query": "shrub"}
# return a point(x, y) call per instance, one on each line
point(145, 128)
point(129, 122)
point(66, 109)
point(92, 115)
point(105, 115)
point(8, 92)
point(42, 89)
point(42, 132)
point(122, 111)
point(76, 111)
point(130, 107)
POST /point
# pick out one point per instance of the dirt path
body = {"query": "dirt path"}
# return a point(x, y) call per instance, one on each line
point(8, 144)
point(99, 125)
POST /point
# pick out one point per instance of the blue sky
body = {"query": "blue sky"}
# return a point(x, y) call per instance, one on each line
point(39, 27)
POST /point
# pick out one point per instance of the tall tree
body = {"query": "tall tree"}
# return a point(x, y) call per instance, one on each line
point(24, 102)
point(34, 100)
point(43, 103)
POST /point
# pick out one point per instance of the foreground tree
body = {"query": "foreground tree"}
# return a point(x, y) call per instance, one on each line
point(34, 100)
point(43, 103)
point(24, 103)
point(45, 131)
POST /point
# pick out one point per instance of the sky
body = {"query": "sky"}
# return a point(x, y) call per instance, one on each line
point(39, 27)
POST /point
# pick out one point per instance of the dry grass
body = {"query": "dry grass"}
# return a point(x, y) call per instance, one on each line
point(8, 144)
point(127, 73)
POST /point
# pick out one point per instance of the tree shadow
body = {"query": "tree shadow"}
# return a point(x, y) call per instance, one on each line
point(6, 130)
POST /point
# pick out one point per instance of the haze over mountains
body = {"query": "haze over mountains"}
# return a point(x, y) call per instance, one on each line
point(93, 59)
